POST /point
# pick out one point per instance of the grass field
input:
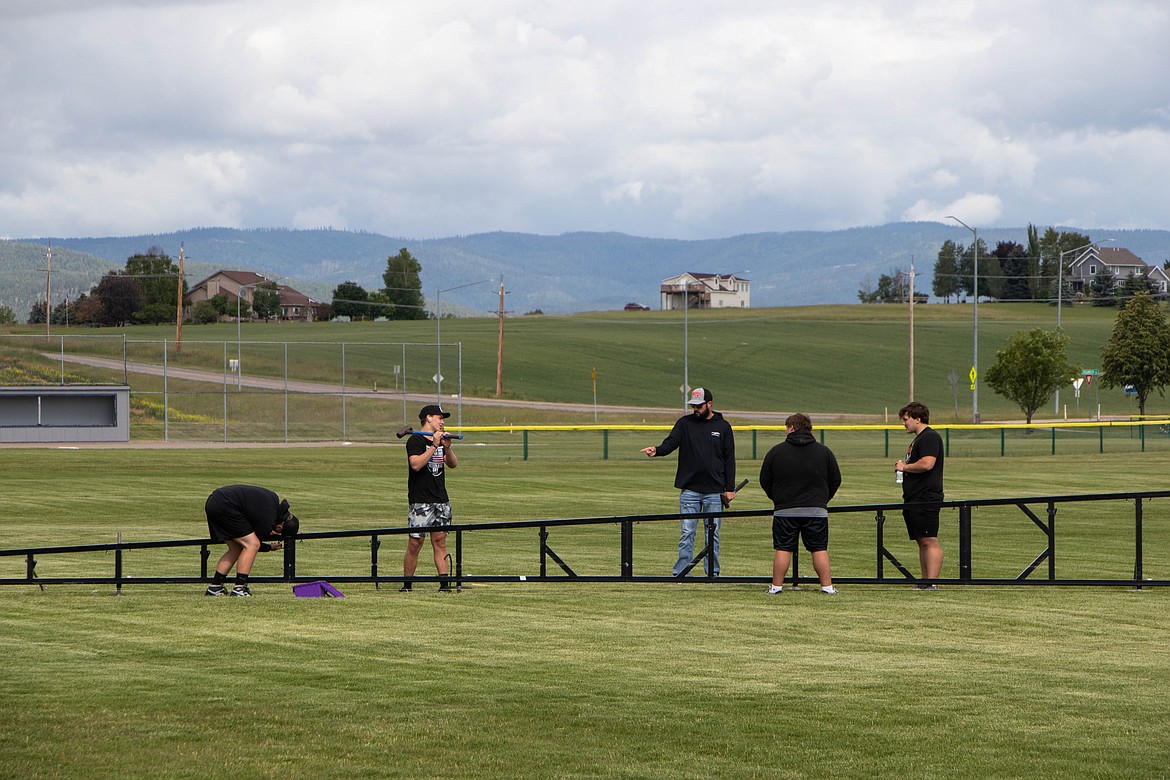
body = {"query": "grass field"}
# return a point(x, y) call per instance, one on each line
point(573, 680)
point(821, 360)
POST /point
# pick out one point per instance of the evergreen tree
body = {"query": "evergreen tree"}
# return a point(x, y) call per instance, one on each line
point(404, 287)
point(1103, 288)
point(946, 272)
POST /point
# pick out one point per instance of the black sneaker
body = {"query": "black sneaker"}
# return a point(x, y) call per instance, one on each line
point(926, 587)
point(241, 591)
point(446, 588)
point(215, 590)
point(405, 589)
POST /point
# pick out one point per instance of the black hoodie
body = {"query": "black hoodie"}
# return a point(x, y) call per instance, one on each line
point(800, 472)
point(706, 453)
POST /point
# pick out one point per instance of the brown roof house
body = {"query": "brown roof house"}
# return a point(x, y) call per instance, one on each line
point(1119, 261)
point(294, 305)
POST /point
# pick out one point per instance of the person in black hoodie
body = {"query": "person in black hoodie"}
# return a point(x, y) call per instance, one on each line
point(801, 476)
point(705, 474)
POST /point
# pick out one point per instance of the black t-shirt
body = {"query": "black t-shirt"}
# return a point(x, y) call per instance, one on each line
point(234, 511)
point(927, 485)
point(428, 485)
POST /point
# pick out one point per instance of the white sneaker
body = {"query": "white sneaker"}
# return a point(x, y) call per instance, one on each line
point(773, 590)
point(829, 590)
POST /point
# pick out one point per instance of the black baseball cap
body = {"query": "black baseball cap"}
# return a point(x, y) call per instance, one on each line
point(430, 409)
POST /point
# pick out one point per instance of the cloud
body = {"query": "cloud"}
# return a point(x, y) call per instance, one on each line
point(656, 118)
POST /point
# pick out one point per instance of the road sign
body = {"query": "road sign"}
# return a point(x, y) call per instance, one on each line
point(437, 378)
point(1091, 372)
point(1130, 390)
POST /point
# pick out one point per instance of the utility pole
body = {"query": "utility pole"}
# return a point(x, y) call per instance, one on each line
point(500, 348)
point(911, 327)
point(49, 291)
point(179, 306)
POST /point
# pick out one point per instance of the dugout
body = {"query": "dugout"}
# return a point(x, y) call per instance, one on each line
point(66, 413)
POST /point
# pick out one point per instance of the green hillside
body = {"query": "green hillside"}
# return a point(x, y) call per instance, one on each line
point(825, 360)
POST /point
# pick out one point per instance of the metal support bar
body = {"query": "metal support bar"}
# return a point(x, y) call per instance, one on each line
point(458, 558)
point(965, 543)
point(627, 562)
point(1137, 539)
point(375, 543)
point(545, 550)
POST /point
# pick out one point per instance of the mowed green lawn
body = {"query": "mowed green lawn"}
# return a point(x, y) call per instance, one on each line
point(572, 680)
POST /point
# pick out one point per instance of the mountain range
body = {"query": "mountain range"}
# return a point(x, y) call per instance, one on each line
point(572, 272)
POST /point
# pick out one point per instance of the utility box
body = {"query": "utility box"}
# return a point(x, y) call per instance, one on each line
point(66, 413)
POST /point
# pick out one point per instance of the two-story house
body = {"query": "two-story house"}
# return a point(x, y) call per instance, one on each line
point(705, 291)
point(294, 305)
point(1119, 261)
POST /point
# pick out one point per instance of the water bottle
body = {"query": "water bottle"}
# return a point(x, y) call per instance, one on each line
point(897, 477)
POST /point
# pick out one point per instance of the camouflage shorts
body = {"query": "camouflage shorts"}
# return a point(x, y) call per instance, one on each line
point(428, 516)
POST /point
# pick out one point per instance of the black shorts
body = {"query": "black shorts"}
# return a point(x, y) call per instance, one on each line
point(224, 520)
point(921, 521)
point(813, 531)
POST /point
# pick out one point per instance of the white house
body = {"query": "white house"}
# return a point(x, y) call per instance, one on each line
point(705, 291)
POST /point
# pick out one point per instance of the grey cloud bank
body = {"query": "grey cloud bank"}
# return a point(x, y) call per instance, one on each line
point(682, 120)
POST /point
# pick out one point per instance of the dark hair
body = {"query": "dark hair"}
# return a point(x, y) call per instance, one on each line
point(291, 526)
point(798, 422)
point(916, 410)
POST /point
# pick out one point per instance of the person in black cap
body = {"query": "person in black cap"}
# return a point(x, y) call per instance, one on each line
point(242, 515)
point(429, 454)
point(705, 474)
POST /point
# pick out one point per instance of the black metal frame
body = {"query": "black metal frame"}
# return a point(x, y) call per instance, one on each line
point(626, 573)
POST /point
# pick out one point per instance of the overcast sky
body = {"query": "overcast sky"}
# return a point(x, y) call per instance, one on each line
point(662, 118)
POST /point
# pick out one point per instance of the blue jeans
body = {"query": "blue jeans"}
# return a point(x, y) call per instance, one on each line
point(690, 502)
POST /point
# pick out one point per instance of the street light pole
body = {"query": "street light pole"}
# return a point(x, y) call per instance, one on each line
point(239, 361)
point(1060, 297)
point(439, 334)
point(975, 357)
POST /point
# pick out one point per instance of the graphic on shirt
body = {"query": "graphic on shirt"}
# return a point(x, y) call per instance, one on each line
point(436, 462)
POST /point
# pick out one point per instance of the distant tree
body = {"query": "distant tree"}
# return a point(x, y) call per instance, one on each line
point(1103, 288)
point(204, 312)
point(1138, 351)
point(893, 287)
point(1134, 284)
point(867, 292)
point(220, 303)
point(1031, 368)
point(946, 272)
point(158, 279)
point(37, 315)
point(7, 316)
point(404, 287)
point(65, 313)
point(324, 312)
point(1037, 285)
point(1051, 244)
point(967, 270)
point(88, 310)
point(1014, 268)
point(120, 297)
point(349, 299)
point(380, 305)
point(266, 301)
